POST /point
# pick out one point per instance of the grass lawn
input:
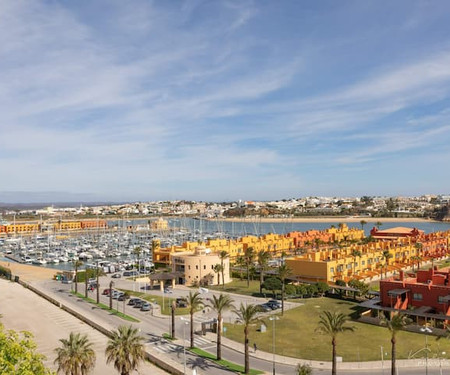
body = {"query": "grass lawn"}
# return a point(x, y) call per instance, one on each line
point(240, 287)
point(296, 336)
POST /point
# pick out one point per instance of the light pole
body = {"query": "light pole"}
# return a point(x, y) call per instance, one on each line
point(273, 318)
point(426, 330)
point(185, 323)
point(382, 359)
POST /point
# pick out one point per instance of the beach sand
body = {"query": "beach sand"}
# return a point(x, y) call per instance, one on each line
point(29, 273)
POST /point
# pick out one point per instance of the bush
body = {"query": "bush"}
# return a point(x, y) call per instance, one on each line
point(5, 272)
point(290, 290)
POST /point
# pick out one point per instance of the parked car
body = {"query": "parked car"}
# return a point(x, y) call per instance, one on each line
point(121, 297)
point(132, 301)
point(167, 290)
point(117, 295)
point(181, 302)
point(146, 307)
point(116, 276)
point(264, 307)
point(275, 303)
point(138, 304)
point(106, 292)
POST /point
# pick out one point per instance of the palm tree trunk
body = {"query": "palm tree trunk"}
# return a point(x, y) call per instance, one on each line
point(76, 278)
point(246, 363)
point(393, 372)
point(219, 337)
point(261, 280)
point(192, 329)
point(248, 275)
point(333, 367)
point(282, 298)
point(223, 278)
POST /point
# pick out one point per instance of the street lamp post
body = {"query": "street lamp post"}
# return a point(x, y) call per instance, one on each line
point(98, 286)
point(273, 318)
point(382, 360)
point(185, 323)
point(426, 330)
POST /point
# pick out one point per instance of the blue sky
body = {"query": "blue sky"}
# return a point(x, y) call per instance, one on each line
point(223, 100)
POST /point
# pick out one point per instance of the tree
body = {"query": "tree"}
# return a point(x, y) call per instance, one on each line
point(301, 290)
point(386, 256)
point(220, 305)
point(363, 222)
point(125, 349)
point(247, 315)
point(75, 356)
point(322, 287)
point(283, 272)
point(378, 224)
point(77, 263)
point(290, 290)
point(355, 253)
point(240, 262)
point(273, 284)
point(18, 354)
point(223, 255)
point(195, 302)
point(397, 322)
point(249, 256)
point(137, 251)
point(263, 264)
point(303, 369)
point(218, 268)
point(333, 323)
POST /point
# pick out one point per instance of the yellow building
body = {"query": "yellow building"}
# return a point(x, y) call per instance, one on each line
point(198, 267)
point(354, 262)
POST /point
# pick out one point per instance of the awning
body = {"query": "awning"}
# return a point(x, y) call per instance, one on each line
point(397, 292)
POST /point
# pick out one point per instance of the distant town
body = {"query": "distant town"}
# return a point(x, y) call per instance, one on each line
point(426, 206)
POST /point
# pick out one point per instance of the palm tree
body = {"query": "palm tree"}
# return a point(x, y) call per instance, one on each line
point(378, 224)
point(77, 263)
point(355, 253)
point(386, 256)
point(283, 272)
point(249, 256)
point(223, 255)
point(240, 262)
point(303, 369)
point(220, 304)
point(332, 323)
point(263, 263)
point(397, 322)
point(247, 314)
point(76, 356)
point(125, 349)
point(194, 303)
point(218, 268)
point(363, 222)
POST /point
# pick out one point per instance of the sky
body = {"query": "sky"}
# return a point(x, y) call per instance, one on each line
point(223, 100)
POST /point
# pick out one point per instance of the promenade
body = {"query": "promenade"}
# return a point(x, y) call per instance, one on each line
point(154, 326)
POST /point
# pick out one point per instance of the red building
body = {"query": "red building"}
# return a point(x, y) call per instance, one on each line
point(426, 294)
point(395, 233)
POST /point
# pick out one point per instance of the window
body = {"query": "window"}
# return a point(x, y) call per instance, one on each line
point(196, 267)
point(363, 263)
point(332, 270)
point(349, 266)
point(417, 297)
point(441, 299)
point(204, 267)
point(189, 267)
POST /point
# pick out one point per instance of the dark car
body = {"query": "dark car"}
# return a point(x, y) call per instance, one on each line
point(132, 301)
point(138, 304)
point(122, 297)
point(275, 303)
point(116, 276)
point(181, 302)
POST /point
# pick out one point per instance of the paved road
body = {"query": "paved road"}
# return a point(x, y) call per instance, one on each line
point(24, 310)
point(153, 327)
